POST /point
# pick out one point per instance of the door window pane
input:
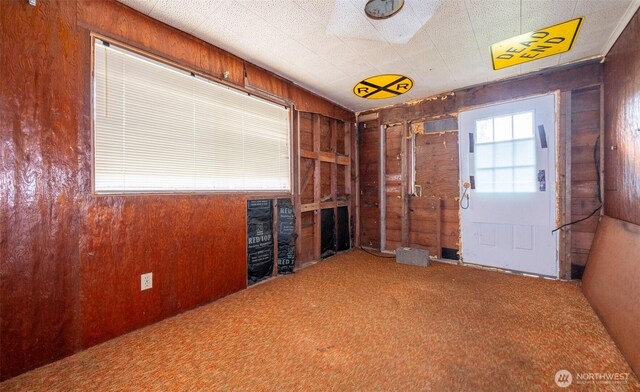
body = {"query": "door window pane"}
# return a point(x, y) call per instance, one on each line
point(525, 152)
point(523, 125)
point(502, 128)
point(484, 130)
point(505, 154)
point(484, 156)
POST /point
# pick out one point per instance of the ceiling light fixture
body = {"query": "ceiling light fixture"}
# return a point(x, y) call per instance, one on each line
point(382, 9)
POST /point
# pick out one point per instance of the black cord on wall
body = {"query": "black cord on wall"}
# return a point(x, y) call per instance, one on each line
point(596, 158)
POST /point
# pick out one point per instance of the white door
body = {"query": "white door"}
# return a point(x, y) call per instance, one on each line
point(507, 162)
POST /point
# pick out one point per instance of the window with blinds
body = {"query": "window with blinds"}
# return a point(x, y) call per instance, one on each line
point(160, 129)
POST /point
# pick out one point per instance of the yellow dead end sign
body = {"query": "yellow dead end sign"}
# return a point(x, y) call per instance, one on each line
point(535, 45)
point(383, 86)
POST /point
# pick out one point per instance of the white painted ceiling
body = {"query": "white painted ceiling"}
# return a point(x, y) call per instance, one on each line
point(327, 46)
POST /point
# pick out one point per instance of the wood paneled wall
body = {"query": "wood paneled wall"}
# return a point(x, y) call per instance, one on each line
point(394, 155)
point(70, 261)
point(436, 157)
point(622, 125)
point(585, 129)
point(369, 175)
point(433, 217)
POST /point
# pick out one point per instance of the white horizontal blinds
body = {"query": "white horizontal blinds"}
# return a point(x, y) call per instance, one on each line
point(176, 132)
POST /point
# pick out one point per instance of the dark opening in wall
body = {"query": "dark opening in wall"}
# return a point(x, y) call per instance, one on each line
point(450, 254)
point(344, 239)
point(328, 233)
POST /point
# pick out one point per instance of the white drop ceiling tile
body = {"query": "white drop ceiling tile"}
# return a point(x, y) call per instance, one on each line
point(396, 66)
point(264, 8)
point(319, 42)
point(424, 9)
point(184, 15)
point(421, 42)
point(362, 46)
point(219, 36)
point(341, 55)
point(538, 14)
point(467, 65)
point(486, 37)
point(462, 32)
point(349, 21)
point(320, 10)
point(378, 55)
point(585, 7)
point(353, 67)
point(581, 53)
point(600, 23)
point(144, 6)
point(397, 31)
point(486, 13)
point(233, 17)
point(293, 19)
point(427, 62)
point(328, 45)
point(450, 13)
point(455, 52)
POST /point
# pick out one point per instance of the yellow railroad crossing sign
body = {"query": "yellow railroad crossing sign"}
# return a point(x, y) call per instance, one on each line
point(383, 86)
point(535, 45)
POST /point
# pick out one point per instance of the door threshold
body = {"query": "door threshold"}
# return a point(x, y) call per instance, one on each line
point(508, 271)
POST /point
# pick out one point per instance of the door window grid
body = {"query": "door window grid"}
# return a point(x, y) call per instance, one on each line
point(505, 156)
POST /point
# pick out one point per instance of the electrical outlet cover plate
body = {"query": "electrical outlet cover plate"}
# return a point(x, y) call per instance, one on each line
point(146, 281)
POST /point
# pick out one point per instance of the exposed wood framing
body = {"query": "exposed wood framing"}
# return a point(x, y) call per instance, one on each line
point(404, 156)
point(296, 182)
point(439, 227)
point(320, 146)
point(317, 190)
point(275, 238)
point(355, 184)
point(564, 182)
point(382, 190)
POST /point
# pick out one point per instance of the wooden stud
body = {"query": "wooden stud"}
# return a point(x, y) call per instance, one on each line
point(602, 143)
point(382, 191)
point(564, 169)
point(356, 184)
point(317, 192)
point(334, 179)
point(347, 170)
point(404, 175)
point(296, 184)
point(275, 238)
point(439, 227)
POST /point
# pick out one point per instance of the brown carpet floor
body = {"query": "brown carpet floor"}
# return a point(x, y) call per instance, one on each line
point(357, 322)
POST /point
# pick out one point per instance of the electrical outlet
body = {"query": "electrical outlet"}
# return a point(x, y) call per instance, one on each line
point(146, 281)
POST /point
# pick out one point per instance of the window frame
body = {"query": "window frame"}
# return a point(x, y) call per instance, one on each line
point(210, 78)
